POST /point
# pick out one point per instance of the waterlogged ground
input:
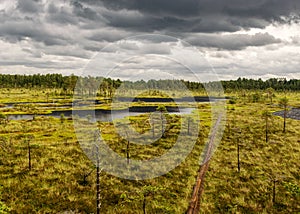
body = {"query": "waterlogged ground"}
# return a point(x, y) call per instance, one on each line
point(60, 178)
point(293, 113)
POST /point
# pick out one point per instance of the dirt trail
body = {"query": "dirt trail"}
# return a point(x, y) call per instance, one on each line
point(194, 206)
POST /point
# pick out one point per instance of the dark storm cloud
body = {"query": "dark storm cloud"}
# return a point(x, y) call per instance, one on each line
point(126, 17)
point(64, 33)
point(268, 9)
point(196, 15)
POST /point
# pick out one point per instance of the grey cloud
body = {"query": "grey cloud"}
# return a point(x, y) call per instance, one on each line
point(70, 52)
point(15, 31)
point(233, 41)
point(52, 9)
point(196, 15)
point(84, 12)
point(296, 40)
point(28, 6)
point(34, 64)
point(109, 35)
point(154, 38)
point(73, 29)
point(34, 53)
point(268, 9)
point(133, 47)
point(150, 48)
point(60, 15)
point(93, 47)
point(161, 49)
point(158, 7)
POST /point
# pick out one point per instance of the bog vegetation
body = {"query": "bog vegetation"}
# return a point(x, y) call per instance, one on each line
point(254, 170)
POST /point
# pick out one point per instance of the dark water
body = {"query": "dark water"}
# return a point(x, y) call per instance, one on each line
point(293, 113)
point(164, 100)
point(103, 115)
point(106, 115)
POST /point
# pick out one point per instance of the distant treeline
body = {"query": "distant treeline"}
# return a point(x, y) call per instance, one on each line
point(278, 84)
point(68, 83)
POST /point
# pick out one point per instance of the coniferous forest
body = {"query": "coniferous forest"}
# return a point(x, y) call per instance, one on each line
point(69, 82)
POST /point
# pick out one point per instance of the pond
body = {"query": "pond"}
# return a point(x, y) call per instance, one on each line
point(106, 115)
point(55, 104)
point(103, 115)
point(293, 113)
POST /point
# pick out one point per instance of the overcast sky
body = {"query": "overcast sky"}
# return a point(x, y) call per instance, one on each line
point(238, 38)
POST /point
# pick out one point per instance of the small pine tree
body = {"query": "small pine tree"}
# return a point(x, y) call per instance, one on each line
point(62, 118)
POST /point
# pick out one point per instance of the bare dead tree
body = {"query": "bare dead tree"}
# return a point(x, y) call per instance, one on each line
point(238, 156)
point(98, 172)
point(27, 141)
point(238, 151)
point(275, 179)
point(98, 194)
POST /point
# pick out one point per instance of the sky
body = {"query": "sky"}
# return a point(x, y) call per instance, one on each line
point(151, 38)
